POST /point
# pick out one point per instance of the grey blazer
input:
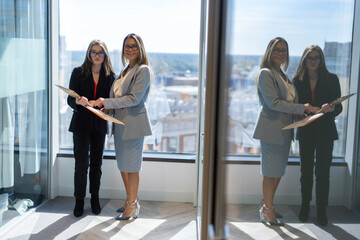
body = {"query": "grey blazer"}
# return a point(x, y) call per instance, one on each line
point(130, 106)
point(278, 107)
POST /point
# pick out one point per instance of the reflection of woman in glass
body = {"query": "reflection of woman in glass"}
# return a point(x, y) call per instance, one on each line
point(278, 98)
point(127, 99)
point(93, 79)
point(315, 84)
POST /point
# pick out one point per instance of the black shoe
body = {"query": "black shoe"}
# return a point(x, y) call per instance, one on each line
point(321, 216)
point(304, 212)
point(79, 208)
point(95, 205)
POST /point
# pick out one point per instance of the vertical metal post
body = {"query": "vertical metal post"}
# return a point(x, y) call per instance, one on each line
point(213, 202)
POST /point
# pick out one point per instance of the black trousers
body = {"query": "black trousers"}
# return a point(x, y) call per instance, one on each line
point(94, 142)
point(323, 149)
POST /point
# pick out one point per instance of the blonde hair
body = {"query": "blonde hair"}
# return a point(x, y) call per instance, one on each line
point(142, 58)
point(266, 61)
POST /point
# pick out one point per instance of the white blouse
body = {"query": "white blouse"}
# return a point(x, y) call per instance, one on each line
point(119, 83)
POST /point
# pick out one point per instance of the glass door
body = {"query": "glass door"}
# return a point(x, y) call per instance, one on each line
point(237, 39)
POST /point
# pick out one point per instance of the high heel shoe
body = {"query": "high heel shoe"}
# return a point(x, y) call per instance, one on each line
point(122, 209)
point(134, 214)
point(265, 219)
point(278, 215)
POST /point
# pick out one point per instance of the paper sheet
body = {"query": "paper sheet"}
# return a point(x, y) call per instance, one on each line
point(99, 113)
point(310, 119)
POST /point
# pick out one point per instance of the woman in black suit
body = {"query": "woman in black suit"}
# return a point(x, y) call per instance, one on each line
point(316, 85)
point(93, 79)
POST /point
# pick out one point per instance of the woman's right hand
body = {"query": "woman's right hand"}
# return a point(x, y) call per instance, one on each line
point(104, 110)
point(310, 109)
point(83, 101)
point(99, 102)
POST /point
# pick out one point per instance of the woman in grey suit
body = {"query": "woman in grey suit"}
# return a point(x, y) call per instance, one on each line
point(278, 99)
point(127, 102)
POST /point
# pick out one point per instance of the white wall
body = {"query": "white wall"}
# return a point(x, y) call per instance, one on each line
point(244, 185)
point(161, 181)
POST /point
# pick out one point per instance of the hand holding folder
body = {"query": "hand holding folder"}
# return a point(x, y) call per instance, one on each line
point(99, 113)
point(310, 119)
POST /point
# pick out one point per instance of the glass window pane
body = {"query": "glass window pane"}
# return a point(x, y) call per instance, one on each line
point(23, 105)
point(172, 44)
point(302, 23)
point(327, 24)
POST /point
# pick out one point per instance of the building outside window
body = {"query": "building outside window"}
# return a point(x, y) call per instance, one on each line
point(173, 100)
point(170, 31)
point(250, 35)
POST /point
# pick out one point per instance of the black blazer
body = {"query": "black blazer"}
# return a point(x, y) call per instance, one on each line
point(327, 89)
point(83, 120)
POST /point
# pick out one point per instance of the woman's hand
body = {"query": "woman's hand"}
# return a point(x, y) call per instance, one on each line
point(310, 109)
point(104, 110)
point(325, 108)
point(83, 101)
point(92, 103)
point(99, 102)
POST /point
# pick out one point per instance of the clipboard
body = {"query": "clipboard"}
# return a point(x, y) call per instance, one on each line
point(341, 99)
point(312, 118)
point(104, 116)
point(68, 91)
point(304, 122)
point(99, 113)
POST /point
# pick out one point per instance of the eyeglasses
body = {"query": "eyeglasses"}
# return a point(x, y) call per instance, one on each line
point(132, 47)
point(94, 54)
point(280, 51)
point(315, 59)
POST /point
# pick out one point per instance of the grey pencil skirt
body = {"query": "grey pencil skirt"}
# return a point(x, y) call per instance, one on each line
point(129, 153)
point(274, 158)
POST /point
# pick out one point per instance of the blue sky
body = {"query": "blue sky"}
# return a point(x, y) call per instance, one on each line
point(301, 23)
point(174, 26)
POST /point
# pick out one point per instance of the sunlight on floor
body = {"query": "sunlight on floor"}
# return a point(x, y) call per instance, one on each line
point(109, 228)
point(263, 231)
point(188, 232)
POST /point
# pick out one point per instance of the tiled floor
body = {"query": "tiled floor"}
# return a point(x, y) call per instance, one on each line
point(176, 221)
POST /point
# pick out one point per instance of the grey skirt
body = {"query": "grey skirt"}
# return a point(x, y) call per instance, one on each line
point(274, 158)
point(129, 152)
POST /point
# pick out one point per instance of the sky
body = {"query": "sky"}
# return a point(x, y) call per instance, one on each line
point(173, 26)
point(164, 25)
